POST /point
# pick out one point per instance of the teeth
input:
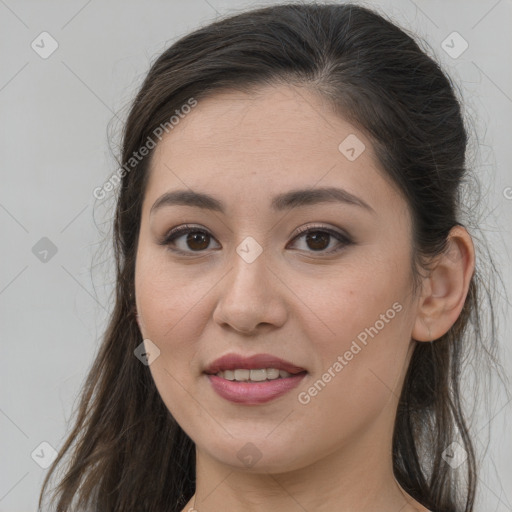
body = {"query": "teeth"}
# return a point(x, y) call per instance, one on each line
point(257, 375)
point(242, 374)
point(272, 373)
point(229, 375)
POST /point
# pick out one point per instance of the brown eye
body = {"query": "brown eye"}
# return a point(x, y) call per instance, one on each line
point(188, 239)
point(197, 240)
point(318, 239)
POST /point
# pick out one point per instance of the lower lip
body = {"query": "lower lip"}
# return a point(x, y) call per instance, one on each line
point(251, 393)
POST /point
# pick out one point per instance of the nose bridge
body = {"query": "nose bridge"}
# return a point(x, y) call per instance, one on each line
point(250, 262)
point(249, 296)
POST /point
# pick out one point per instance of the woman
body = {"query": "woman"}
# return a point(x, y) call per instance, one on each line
point(295, 287)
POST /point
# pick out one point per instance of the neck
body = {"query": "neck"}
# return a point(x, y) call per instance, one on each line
point(350, 480)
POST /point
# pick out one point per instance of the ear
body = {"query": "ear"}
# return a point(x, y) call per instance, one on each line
point(445, 289)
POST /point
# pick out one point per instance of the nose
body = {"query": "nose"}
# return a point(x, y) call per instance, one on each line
point(251, 295)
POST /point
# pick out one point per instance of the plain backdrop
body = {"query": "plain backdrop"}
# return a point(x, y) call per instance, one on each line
point(56, 271)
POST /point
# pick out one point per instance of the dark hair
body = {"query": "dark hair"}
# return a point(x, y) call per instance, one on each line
point(127, 451)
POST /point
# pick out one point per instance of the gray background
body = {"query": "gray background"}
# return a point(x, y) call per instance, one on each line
point(54, 152)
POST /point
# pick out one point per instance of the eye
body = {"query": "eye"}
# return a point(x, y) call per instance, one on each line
point(316, 238)
point(197, 240)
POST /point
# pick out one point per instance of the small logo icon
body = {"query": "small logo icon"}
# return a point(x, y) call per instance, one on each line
point(44, 45)
point(44, 455)
point(249, 455)
point(454, 455)
point(351, 147)
point(454, 45)
point(147, 352)
point(249, 249)
point(44, 250)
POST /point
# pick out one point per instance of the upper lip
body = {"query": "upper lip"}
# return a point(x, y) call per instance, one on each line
point(236, 361)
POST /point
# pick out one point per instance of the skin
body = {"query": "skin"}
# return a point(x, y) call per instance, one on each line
point(302, 305)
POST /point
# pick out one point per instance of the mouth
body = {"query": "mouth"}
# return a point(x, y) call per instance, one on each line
point(253, 380)
point(259, 362)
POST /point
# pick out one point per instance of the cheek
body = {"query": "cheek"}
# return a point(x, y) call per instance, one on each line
point(169, 305)
point(361, 298)
point(359, 381)
point(165, 296)
point(363, 353)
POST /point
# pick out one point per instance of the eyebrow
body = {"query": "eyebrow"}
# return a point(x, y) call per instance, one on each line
point(285, 201)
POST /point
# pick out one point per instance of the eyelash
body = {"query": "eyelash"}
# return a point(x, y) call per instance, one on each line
point(175, 233)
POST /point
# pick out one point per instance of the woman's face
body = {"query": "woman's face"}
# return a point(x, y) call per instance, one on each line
point(340, 309)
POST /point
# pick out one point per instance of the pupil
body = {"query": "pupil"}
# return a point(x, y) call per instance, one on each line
point(196, 237)
point(315, 238)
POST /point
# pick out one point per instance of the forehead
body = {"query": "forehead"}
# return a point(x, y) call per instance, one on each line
point(253, 145)
point(269, 120)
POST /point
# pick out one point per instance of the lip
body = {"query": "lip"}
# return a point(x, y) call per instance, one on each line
point(234, 361)
point(253, 393)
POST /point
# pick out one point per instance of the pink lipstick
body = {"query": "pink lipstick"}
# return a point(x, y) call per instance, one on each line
point(253, 380)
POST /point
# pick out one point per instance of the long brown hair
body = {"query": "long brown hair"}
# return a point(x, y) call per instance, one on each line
point(126, 452)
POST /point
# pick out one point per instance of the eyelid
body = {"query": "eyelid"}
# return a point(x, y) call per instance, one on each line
point(320, 227)
point(182, 229)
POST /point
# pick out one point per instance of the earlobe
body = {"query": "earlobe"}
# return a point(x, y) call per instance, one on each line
point(446, 287)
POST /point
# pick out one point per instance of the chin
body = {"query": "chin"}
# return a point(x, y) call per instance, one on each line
point(255, 453)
